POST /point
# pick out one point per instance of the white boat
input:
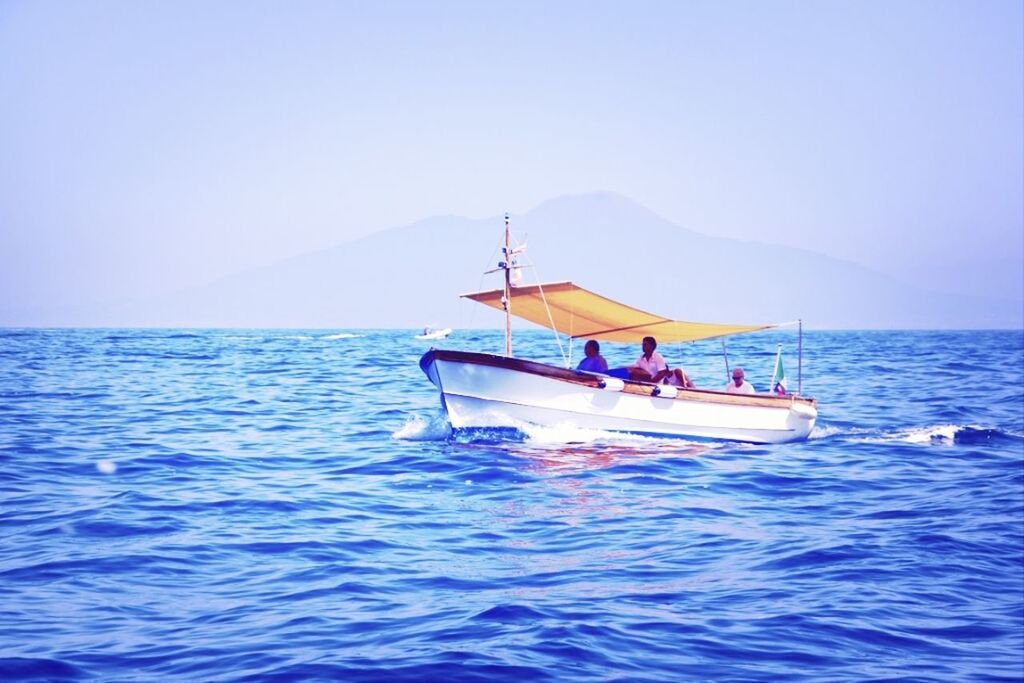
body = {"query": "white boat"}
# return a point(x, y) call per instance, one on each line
point(430, 333)
point(480, 390)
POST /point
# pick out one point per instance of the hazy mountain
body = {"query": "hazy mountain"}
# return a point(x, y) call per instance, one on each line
point(412, 276)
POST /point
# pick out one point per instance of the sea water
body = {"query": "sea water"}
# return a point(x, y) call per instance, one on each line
point(290, 505)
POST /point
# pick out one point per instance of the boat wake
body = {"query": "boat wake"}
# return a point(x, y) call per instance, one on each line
point(342, 335)
point(820, 432)
point(931, 435)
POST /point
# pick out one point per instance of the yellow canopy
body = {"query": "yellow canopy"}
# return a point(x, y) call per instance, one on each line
point(578, 312)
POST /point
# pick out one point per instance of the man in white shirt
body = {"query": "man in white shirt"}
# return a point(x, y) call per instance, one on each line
point(650, 363)
point(651, 367)
point(738, 385)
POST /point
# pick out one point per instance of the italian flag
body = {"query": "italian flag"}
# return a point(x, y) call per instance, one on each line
point(779, 377)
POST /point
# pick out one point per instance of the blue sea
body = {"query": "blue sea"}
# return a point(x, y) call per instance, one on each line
point(220, 505)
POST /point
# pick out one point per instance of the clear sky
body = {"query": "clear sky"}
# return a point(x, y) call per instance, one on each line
point(149, 146)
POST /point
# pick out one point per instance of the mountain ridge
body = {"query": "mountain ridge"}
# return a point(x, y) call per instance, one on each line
point(407, 275)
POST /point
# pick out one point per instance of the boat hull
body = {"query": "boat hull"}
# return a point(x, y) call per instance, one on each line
point(482, 390)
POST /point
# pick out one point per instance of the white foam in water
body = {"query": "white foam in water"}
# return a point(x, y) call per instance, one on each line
point(824, 432)
point(862, 433)
point(940, 433)
point(417, 428)
point(933, 434)
point(341, 335)
point(562, 434)
point(435, 427)
point(570, 434)
point(551, 434)
point(943, 435)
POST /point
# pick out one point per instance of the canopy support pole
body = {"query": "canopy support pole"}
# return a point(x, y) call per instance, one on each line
point(725, 355)
point(800, 358)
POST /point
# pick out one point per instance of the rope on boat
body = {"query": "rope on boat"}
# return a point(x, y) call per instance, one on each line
point(567, 359)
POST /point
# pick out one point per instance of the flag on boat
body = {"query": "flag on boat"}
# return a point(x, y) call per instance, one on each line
point(779, 377)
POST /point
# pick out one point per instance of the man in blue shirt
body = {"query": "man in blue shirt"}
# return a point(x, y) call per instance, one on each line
point(593, 362)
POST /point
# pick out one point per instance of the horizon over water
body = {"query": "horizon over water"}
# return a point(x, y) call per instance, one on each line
point(290, 505)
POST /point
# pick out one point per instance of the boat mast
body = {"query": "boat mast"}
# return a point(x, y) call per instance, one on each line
point(506, 300)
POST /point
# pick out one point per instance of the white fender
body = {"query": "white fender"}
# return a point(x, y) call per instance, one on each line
point(612, 384)
point(665, 391)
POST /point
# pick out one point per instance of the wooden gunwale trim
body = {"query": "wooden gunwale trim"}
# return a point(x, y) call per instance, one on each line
point(631, 387)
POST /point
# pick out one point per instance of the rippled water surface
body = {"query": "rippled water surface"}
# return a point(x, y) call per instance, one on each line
point(231, 504)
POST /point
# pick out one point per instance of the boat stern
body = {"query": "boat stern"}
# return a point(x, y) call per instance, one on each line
point(801, 418)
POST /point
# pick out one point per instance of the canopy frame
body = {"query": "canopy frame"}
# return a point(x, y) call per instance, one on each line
point(578, 313)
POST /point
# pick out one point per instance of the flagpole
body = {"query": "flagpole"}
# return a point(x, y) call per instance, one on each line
point(775, 369)
point(800, 358)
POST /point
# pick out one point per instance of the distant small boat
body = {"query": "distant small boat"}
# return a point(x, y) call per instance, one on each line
point(486, 390)
point(430, 333)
